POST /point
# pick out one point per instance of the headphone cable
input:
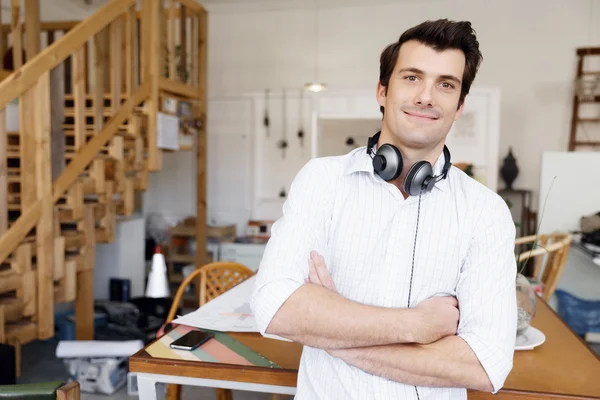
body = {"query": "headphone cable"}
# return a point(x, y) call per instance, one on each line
point(412, 268)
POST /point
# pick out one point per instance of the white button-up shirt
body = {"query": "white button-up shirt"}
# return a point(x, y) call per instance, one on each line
point(364, 228)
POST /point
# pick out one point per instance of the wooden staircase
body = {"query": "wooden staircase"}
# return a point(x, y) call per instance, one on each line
point(100, 147)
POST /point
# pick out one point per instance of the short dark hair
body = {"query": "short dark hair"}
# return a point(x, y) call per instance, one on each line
point(440, 35)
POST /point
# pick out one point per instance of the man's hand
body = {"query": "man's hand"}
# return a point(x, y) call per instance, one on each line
point(318, 273)
point(438, 317)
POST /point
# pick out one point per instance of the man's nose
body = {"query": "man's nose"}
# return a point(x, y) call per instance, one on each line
point(424, 97)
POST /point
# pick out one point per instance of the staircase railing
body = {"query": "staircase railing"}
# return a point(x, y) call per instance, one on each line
point(140, 67)
point(31, 82)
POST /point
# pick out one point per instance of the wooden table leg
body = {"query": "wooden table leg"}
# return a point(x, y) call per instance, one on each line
point(146, 387)
point(173, 391)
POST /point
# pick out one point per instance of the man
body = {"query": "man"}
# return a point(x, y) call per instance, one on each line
point(369, 273)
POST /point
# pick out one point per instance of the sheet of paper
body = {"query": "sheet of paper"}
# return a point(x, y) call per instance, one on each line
point(167, 131)
point(230, 312)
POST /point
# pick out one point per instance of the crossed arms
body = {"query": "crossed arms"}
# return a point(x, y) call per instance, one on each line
point(398, 344)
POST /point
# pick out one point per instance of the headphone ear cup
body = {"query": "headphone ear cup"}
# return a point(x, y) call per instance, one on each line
point(416, 176)
point(388, 162)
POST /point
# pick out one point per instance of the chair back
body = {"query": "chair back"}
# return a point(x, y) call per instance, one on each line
point(215, 279)
point(550, 255)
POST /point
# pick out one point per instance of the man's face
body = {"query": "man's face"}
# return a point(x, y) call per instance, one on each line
point(422, 96)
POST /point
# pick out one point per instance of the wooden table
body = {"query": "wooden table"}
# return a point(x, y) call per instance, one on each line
point(562, 367)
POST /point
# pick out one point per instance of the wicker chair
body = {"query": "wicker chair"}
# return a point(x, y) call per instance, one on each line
point(550, 255)
point(215, 279)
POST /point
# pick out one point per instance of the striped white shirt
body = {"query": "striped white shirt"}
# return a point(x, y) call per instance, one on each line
point(364, 228)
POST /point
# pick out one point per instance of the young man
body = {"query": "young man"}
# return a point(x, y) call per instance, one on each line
point(398, 281)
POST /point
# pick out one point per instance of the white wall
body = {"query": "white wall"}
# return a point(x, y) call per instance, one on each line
point(528, 48)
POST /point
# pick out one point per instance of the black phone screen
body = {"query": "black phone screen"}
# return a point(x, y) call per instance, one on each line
point(192, 340)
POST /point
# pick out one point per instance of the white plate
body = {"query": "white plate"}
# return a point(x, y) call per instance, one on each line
point(529, 339)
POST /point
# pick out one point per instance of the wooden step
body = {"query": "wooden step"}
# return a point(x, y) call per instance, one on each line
point(13, 308)
point(65, 213)
point(90, 112)
point(74, 240)
point(89, 133)
point(9, 281)
point(91, 96)
point(88, 127)
point(104, 156)
point(24, 331)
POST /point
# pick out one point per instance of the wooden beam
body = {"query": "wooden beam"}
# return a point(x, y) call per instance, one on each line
point(30, 217)
point(129, 196)
point(193, 6)
point(57, 106)
point(16, 36)
point(195, 45)
point(24, 78)
point(59, 257)
point(171, 39)
point(131, 66)
point(79, 96)
point(100, 66)
point(49, 26)
point(116, 146)
point(175, 87)
point(201, 141)
point(29, 291)
point(84, 302)
point(115, 64)
point(3, 175)
point(32, 28)
point(182, 45)
point(3, 166)
point(45, 227)
point(70, 280)
point(27, 117)
point(155, 70)
point(84, 305)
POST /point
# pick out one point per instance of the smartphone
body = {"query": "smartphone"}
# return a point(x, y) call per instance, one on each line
point(192, 340)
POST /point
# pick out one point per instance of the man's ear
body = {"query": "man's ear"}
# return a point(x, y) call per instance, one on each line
point(381, 94)
point(459, 111)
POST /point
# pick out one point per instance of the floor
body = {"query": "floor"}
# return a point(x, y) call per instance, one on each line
point(39, 364)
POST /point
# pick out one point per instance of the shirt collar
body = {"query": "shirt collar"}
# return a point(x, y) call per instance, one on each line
point(360, 161)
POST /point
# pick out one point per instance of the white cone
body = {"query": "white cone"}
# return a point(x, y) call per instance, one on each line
point(158, 283)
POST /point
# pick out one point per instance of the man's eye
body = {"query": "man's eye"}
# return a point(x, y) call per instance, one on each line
point(411, 78)
point(447, 85)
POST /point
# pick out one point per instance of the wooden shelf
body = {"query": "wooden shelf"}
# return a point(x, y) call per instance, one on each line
point(183, 231)
point(181, 258)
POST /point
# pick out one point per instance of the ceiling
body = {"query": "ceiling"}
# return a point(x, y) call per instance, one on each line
point(72, 9)
point(270, 5)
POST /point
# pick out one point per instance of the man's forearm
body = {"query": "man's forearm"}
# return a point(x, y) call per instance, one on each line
point(318, 317)
point(449, 362)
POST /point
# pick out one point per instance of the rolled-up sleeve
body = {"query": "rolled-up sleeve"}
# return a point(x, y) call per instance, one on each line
point(302, 228)
point(487, 295)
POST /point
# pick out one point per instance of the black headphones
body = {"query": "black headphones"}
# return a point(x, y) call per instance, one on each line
point(388, 164)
